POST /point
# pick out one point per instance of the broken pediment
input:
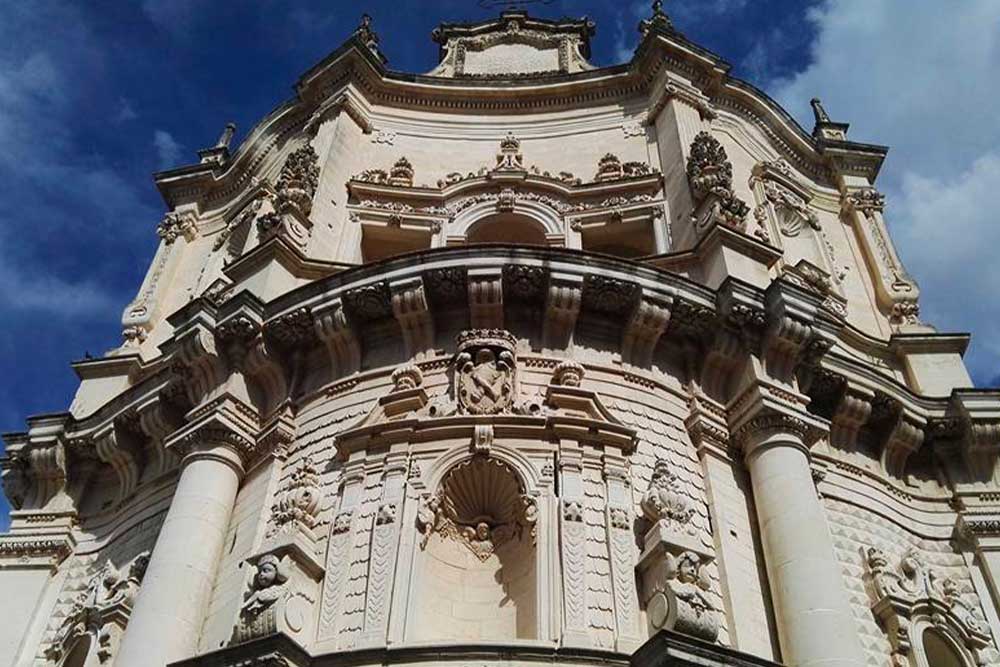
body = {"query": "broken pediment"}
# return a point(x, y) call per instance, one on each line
point(513, 45)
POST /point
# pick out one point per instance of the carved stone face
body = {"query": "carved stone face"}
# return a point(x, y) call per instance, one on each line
point(267, 574)
point(687, 570)
point(482, 531)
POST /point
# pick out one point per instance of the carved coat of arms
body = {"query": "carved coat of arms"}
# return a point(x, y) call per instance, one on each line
point(484, 372)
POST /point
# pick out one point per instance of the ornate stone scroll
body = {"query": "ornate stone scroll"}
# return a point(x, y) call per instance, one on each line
point(672, 565)
point(102, 610)
point(909, 595)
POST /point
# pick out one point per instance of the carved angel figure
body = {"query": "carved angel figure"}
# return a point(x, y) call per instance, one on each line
point(267, 587)
point(689, 581)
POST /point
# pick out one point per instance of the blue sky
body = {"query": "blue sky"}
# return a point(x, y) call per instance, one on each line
point(96, 96)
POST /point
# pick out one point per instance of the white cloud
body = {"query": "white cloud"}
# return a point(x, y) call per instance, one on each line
point(167, 148)
point(921, 78)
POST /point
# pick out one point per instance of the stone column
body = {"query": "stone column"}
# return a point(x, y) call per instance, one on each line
point(166, 621)
point(815, 623)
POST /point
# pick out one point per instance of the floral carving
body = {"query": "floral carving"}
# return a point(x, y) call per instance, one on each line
point(710, 175)
point(298, 181)
point(484, 371)
point(401, 173)
point(407, 377)
point(792, 211)
point(662, 501)
point(568, 374)
point(298, 502)
point(175, 225)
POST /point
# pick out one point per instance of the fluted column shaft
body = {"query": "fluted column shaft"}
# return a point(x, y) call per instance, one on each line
point(816, 627)
point(165, 625)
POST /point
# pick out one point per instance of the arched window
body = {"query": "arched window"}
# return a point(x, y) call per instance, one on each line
point(939, 651)
point(478, 574)
point(507, 228)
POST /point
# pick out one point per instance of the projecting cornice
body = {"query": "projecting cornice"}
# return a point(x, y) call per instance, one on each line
point(354, 79)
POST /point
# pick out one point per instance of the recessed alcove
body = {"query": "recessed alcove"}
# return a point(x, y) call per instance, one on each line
point(477, 575)
point(507, 228)
point(382, 241)
point(939, 651)
point(628, 240)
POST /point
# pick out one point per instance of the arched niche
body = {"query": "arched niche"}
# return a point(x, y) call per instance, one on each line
point(507, 228)
point(939, 651)
point(477, 565)
point(524, 222)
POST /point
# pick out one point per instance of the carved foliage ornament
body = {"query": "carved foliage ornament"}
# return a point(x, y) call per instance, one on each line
point(662, 501)
point(710, 174)
point(298, 501)
point(101, 610)
point(909, 593)
point(175, 225)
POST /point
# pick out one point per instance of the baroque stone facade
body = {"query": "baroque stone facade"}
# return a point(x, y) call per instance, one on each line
point(519, 361)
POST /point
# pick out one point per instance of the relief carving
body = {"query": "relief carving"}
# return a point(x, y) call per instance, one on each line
point(482, 505)
point(910, 594)
point(710, 174)
point(485, 371)
point(102, 610)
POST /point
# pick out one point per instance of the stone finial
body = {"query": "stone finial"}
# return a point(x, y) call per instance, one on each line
point(818, 111)
point(825, 128)
point(227, 135)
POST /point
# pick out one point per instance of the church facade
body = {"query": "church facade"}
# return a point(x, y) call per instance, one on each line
point(521, 361)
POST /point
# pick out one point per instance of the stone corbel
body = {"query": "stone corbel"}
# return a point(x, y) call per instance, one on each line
point(337, 334)
point(643, 330)
point(412, 311)
point(114, 447)
point(562, 307)
point(798, 335)
point(850, 414)
point(157, 420)
point(47, 467)
point(904, 436)
point(204, 369)
point(485, 298)
point(897, 292)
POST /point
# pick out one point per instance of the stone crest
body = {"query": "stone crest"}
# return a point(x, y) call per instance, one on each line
point(485, 371)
